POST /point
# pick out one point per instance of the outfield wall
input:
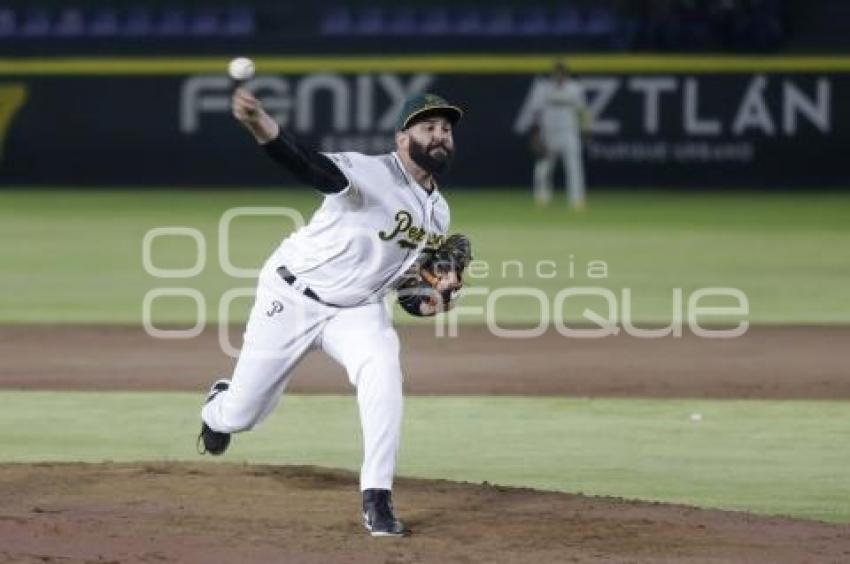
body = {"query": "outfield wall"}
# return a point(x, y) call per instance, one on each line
point(655, 121)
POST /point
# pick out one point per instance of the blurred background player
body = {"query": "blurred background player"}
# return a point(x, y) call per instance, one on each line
point(557, 113)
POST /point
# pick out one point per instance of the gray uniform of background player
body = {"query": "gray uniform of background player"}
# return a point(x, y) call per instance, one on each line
point(557, 106)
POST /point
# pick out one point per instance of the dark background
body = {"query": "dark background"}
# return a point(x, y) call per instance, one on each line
point(101, 129)
point(105, 130)
point(331, 26)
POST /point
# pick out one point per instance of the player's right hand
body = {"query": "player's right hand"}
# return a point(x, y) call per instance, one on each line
point(246, 108)
point(250, 113)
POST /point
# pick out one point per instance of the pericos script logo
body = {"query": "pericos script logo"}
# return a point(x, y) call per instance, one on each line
point(410, 236)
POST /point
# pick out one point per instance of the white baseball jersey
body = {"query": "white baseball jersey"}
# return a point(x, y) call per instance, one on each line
point(361, 241)
point(559, 105)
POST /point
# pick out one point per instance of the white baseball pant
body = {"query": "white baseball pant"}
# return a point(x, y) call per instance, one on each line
point(565, 146)
point(361, 339)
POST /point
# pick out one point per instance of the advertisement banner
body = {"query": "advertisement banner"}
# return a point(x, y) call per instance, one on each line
point(738, 128)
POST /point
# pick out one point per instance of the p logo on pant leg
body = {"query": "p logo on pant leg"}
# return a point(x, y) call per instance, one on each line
point(276, 307)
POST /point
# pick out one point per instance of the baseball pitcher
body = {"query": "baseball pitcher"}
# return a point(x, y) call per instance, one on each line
point(382, 227)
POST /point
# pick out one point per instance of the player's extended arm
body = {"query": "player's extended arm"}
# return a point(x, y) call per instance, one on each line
point(307, 165)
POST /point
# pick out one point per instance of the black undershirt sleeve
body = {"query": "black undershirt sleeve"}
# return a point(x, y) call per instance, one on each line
point(307, 165)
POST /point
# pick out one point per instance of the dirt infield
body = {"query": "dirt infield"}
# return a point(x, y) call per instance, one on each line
point(208, 512)
point(796, 362)
point(229, 513)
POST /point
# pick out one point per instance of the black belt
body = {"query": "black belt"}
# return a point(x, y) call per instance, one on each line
point(290, 279)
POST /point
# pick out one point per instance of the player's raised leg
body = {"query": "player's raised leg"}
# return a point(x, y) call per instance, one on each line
point(282, 327)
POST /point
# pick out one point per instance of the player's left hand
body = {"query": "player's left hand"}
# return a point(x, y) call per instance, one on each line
point(433, 285)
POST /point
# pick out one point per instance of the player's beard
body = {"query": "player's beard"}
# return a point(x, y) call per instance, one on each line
point(434, 163)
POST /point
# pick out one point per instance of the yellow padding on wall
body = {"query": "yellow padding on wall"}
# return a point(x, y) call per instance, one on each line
point(444, 64)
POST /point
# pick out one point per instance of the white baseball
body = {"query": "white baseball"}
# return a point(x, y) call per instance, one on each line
point(696, 417)
point(241, 68)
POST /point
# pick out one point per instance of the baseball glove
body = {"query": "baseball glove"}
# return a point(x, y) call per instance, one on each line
point(536, 144)
point(432, 283)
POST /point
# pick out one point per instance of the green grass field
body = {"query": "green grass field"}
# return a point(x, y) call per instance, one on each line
point(77, 256)
point(775, 457)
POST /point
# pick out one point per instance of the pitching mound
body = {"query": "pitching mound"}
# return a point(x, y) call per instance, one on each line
point(174, 512)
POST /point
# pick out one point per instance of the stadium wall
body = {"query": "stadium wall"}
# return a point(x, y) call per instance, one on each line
point(656, 120)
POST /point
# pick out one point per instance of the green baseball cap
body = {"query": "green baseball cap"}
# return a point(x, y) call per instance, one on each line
point(423, 103)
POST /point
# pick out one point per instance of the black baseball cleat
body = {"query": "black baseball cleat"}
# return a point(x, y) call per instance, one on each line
point(378, 514)
point(209, 441)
